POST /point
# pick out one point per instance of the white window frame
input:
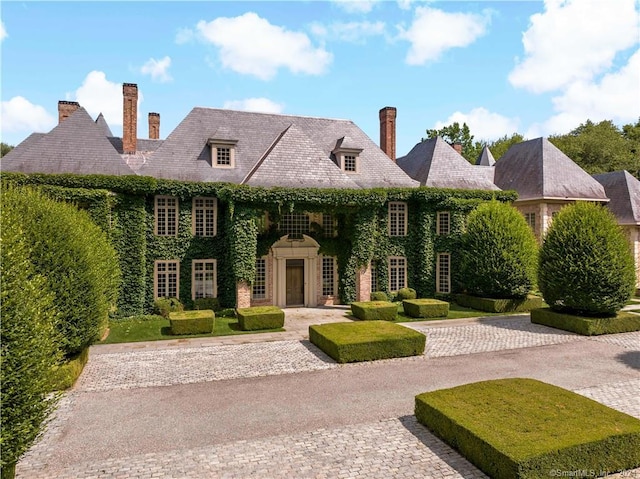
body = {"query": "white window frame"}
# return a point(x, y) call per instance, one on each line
point(397, 219)
point(166, 273)
point(299, 223)
point(204, 209)
point(334, 274)
point(394, 270)
point(444, 288)
point(264, 280)
point(356, 162)
point(161, 206)
point(530, 218)
point(223, 144)
point(443, 223)
point(194, 283)
point(374, 276)
point(328, 225)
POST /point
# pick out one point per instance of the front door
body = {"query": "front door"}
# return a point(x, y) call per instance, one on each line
point(295, 282)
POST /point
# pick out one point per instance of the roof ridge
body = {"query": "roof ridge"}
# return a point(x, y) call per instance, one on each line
point(265, 155)
point(272, 114)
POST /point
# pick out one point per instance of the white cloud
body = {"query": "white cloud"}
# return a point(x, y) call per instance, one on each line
point(20, 115)
point(355, 6)
point(355, 32)
point(483, 124)
point(434, 31)
point(157, 69)
point(184, 35)
point(276, 48)
point(261, 105)
point(615, 97)
point(99, 95)
point(574, 40)
point(3, 31)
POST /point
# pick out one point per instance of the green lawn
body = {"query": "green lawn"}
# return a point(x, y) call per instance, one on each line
point(154, 328)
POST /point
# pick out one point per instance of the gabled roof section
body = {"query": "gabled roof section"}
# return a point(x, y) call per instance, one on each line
point(537, 169)
point(102, 123)
point(295, 161)
point(185, 154)
point(623, 190)
point(21, 148)
point(77, 145)
point(485, 158)
point(435, 163)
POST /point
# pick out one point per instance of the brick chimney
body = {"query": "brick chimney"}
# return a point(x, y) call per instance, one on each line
point(154, 126)
point(388, 131)
point(66, 109)
point(458, 147)
point(130, 117)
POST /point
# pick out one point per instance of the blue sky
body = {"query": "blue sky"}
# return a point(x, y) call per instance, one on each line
point(538, 68)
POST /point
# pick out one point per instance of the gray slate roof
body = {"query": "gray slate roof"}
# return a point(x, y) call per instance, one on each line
point(485, 158)
point(267, 152)
point(537, 169)
point(623, 189)
point(435, 163)
point(102, 123)
point(77, 145)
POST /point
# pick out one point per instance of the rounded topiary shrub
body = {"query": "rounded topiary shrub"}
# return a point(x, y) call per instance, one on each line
point(586, 266)
point(406, 293)
point(499, 253)
point(164, 306)
point(379, 296)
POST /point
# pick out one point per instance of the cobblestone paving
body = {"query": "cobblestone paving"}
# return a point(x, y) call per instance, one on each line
point(166, 367)
point(492, 335)
point(625, 340)
point(623, 396)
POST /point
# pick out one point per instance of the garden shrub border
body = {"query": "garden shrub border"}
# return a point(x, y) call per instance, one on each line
point(524, 428)
point(260, 317)
point(623, 322)
point(66, 374)
point(492, 305)
point(425, 308)
point(374, 310)
point(192, 322)
point(366, 341)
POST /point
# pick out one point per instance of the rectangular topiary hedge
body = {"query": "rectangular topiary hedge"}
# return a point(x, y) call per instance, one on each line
point(260, 317)
point(623, 322)
point(366, 341)
point(192, 322)
point(491, 305)
point(425, 308)
point(65, 375)
point(523, 428)
point(374, 310)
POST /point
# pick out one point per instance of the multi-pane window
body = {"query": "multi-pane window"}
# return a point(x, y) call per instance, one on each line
point(166, 277)
point(328, 225)
point(166, 213)
point(328, 276)
point(531, 220)
point(294, 223)
point(443, 223)
point(397, 273)
point(260, 282)
point(374, 276)
point(203, 278)
point(397, 219)
point(350, 163)
point(204, 216)
point(223, 156)
point(443, 273)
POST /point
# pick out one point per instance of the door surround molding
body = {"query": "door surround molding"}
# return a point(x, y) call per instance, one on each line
point(306, 249)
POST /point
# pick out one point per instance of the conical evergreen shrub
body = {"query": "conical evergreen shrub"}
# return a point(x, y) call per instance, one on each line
point(586, 266)
point(499, 253)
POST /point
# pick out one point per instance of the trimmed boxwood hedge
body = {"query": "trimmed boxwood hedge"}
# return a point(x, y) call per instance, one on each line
point(65, 375)
point(523, 428)
point(500, 305)
point(366, 341)
point(192, 322)
point(425, 308)
point(623, 322)
point(374, 310)
point(260, 317)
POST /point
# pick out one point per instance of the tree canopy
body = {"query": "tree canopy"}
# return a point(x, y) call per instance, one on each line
point(5, 148)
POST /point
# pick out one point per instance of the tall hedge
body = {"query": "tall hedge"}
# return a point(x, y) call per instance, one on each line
point(586, 266)
point(29, 346)
point(499, 253)
point(77, 259)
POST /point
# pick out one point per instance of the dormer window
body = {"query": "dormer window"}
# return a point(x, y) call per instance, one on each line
point(347, 155)
point(223, 153)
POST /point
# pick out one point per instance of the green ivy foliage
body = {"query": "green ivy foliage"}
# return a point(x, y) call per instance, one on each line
point(76, 257)
point(586, 266)
point(362, 230)
point(499, 253)
point(29, 342)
